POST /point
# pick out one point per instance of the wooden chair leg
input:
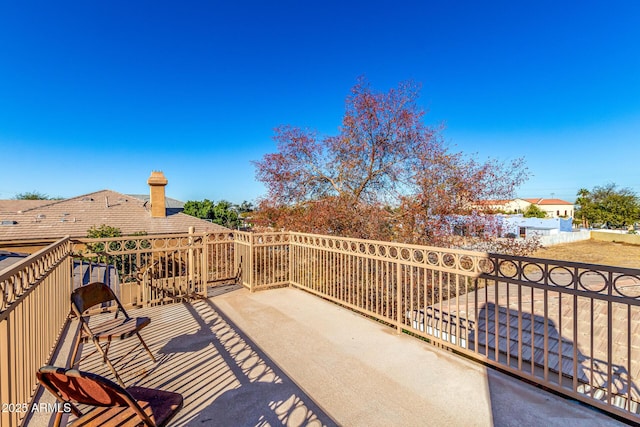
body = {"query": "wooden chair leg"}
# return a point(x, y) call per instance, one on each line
point(75, 351)
point(108, 362)
point(106, 351)
point(145, 347)
point(58, 419)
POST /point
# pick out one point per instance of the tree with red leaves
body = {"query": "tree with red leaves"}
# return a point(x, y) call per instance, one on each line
point(386, 175)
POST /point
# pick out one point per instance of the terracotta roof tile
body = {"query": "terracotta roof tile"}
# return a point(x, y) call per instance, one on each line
point(170, 203)
point(535, 201)
point(492, 202)
point(553, 202)
point(14, 206)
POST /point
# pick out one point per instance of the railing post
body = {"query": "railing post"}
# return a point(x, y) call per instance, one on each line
point(190, 260)
point(398, 297)
point(235, 253)
point(251, 262)
point(204, 267)
point(70, 266)
point(139, 290)
point(290, 258)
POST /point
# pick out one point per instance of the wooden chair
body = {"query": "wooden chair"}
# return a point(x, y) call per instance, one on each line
point(86, 297)
point(112, 405)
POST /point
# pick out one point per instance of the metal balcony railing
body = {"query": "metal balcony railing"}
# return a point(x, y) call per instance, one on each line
point(570, 327)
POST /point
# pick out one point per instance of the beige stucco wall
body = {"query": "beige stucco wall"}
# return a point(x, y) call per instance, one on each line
point(517, 206)
point(603, 236)
point(552, 210)
point(520, 205)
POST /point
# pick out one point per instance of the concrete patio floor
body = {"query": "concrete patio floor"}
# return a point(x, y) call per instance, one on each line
point(285, 357)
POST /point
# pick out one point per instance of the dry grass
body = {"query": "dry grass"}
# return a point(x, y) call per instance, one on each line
point(594, 252)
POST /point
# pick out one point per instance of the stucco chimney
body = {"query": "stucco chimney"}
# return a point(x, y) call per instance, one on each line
point(157, 182)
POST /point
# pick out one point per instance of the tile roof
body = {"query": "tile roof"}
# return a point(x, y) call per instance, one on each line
point(51, 219)
point(554, 202)
point(13, 206)
point(535, 201)
point(170, 203)
point(492, 202)
point(540, 201)
point(9, 258)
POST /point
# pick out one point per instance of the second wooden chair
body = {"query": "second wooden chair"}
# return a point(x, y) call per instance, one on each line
point(87, 297)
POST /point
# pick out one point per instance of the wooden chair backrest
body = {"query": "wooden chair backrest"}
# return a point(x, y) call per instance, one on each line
point(85, 388)
point(85, 297)
point(73, 386)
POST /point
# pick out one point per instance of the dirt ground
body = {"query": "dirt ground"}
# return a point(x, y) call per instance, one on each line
point(594, 252)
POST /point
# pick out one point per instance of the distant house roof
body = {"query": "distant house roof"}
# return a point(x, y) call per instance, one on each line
point(9, 206)
point(171, 203)
point(51, 219)
point(542, 202)
point(492, 202)
point(9, 258)
point(534, 201)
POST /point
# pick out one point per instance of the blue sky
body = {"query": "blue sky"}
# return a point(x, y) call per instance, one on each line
point(96, 95)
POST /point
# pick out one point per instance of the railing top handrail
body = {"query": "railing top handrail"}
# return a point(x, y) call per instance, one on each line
point(135, 237)
point(229, 233)
point(568, 264)
point(398, 245)
point(263, 233)
point(36, 256)
point(486, 255)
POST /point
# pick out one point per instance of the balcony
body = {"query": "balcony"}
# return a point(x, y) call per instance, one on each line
point(395, 339)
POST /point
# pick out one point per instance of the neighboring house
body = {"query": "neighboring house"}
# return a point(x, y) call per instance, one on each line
point(26, 225)
point(554, 208)
point(519, 226)
point(511, 225)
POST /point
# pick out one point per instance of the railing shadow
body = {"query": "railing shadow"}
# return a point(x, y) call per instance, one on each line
point(225, 378)
point(230, 379)
point(533, 345)
point(539, 349)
